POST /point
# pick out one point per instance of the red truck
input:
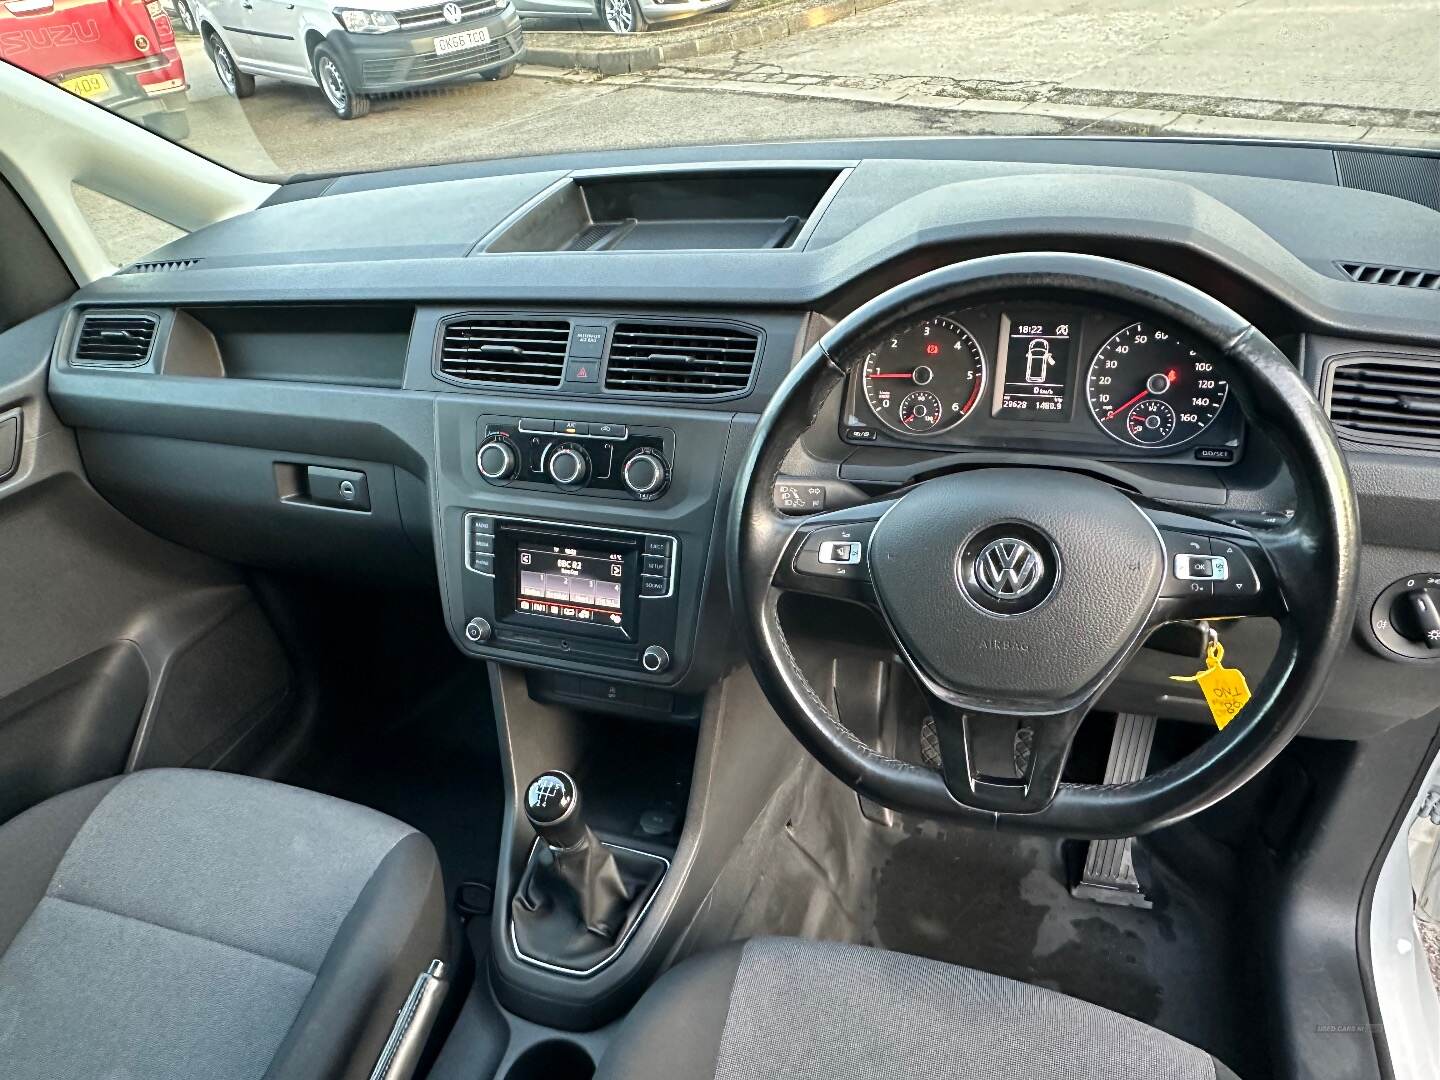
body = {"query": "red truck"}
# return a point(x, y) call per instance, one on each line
point(118, 53)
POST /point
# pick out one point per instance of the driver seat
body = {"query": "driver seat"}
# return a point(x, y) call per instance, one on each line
point(781, 1007)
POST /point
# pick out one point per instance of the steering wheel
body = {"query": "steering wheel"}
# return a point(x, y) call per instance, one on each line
point(1008, 678)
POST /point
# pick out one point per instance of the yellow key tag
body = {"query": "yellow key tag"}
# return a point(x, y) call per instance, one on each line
point(1225, 689)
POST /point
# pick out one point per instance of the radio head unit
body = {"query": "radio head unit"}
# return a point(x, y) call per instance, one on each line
point(585, 584)
point(583, 593)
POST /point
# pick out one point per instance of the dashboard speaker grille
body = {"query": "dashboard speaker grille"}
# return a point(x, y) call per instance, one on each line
point(508, 352)
point(681, 358)
point(1405, 277)
point(1391, 400)
point(114, 340)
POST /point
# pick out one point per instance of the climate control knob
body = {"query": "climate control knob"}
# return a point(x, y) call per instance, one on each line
point(568, 467)
point(645, 474)
point(497, 460)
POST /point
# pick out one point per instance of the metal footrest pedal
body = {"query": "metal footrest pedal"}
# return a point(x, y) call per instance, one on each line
point(1109, 875)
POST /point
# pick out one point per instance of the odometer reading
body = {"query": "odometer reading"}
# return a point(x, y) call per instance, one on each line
point(925, 377)
point(1148, 388)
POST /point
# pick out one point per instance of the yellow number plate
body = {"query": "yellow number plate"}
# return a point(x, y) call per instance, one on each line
point(91, 85)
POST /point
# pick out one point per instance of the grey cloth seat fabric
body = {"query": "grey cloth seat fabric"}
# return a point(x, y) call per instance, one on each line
point(780, 1007)
point(181, 924)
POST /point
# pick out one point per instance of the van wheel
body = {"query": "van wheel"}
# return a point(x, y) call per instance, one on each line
point(236, 82)
point(335, 85)
point(499, 73)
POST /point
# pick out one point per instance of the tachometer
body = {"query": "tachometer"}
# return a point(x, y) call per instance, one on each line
point(924, 378)
point(1148, 388)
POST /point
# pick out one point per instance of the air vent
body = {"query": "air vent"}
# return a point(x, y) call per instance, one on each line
point(167, 266)
point(511, 352)
point(1394, 401)
point(114, 340)
point(1405, 277)
point(677, 358)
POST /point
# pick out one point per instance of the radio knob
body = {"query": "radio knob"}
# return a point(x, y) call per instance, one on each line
point(569, 467)
point(497, 460)
point(645, 474)
point(655, 659)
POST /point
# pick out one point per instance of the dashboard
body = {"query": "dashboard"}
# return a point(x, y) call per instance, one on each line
point(427, 378)
point(1038, 374)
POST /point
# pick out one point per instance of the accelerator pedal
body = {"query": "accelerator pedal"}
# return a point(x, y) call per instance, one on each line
point(1109, 875)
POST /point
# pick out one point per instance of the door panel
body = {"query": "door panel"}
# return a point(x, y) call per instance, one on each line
point(116, 647)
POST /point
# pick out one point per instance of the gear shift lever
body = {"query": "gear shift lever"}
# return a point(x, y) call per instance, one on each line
point(579, 864)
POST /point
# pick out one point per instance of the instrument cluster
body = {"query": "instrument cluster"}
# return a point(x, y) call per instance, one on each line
point(1044, 376)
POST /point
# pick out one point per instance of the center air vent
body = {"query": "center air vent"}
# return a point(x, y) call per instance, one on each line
point(114, 340)
point(1394, 401)
point(510, 352)
point(680, 358)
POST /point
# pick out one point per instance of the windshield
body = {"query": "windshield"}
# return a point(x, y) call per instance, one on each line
point(275, 88)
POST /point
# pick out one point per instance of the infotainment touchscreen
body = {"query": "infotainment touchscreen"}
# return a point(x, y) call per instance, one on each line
point(582, 585)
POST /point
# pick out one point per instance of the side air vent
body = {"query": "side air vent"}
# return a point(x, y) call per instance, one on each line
point(510, 352)
point(167, 266)
point(680, 358)
point(1404, 276)
point(1392, 400)
point(114, 340)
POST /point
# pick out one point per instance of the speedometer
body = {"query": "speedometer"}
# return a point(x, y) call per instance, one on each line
point(925, 377)
point(1148, 388)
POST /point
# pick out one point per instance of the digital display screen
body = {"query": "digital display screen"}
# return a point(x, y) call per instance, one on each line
point(580, 585)
point(1037, 371)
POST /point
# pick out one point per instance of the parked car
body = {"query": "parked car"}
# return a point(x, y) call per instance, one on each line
point(182, 15)
point(621, 16)
point(119, 53)
point(352, 52)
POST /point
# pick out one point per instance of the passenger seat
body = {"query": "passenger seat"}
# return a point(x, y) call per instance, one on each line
point(174, 924)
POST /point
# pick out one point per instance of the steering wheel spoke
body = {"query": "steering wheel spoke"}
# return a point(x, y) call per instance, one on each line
point(1221, 571)
point(828, 554)
point(1003, 762)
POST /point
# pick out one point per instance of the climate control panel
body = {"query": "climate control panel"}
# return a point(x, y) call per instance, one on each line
point(609, 460)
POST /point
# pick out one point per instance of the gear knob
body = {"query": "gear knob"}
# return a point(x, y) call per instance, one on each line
point(552, 806)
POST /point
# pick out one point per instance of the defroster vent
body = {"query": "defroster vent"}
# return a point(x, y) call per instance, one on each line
point(508, 352)
point(1389, 400)
point(681, 358)
point(121, 340)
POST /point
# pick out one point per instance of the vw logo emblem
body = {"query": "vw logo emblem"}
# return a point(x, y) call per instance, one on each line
point(452, 12)
point(1008, 569)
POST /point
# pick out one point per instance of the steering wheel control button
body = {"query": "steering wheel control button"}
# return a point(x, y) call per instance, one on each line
point(477, 630)
point(833, 551)
point(1007, 569)
point(1240, 578)
point(1184, 552)
point(1201, 567)
point(836, 551)
point(568, 467)
point(498, 460)
point(655, 659)
point(1406, 617)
